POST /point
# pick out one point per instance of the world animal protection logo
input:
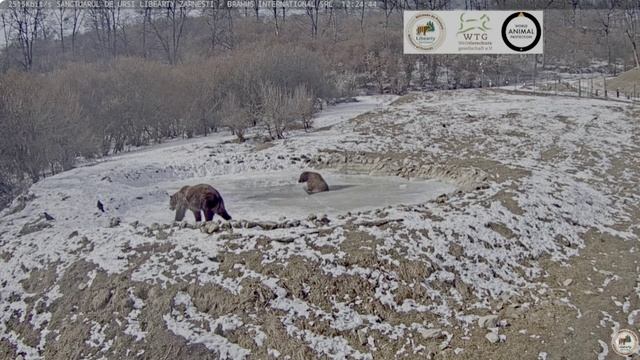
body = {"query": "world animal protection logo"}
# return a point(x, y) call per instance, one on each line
point(473, 32)
point(521, 31)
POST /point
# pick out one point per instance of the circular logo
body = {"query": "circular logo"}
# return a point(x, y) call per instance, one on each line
point(521, 31)
point(624, 342)
point(426, 31)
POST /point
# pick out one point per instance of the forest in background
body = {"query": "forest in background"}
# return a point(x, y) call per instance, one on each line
point(81, 84)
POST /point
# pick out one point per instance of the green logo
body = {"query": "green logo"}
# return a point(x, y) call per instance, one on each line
point(480, 24)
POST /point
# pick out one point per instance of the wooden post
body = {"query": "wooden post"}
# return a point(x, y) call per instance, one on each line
point(534, 83)
point(604, 81)
point(579, 88)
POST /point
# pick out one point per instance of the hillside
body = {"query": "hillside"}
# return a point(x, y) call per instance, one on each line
point(463, 224)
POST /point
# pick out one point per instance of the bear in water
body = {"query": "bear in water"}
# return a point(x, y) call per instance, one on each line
point(315, 182)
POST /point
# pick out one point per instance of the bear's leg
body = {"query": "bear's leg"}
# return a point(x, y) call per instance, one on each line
point(197, 215)
point(208, 214)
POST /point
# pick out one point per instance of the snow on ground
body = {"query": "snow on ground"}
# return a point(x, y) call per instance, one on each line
point(388, 272)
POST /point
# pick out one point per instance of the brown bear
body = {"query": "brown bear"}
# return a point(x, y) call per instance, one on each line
point(198, 198)
point(315, 182)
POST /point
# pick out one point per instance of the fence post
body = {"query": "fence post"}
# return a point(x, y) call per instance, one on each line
point(604, 80)
point(579, 88)
point(534, 83)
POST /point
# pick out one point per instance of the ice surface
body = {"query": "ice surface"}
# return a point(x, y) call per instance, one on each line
point(268, 196)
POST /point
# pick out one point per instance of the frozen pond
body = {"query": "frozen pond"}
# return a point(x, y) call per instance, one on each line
point(270, 196)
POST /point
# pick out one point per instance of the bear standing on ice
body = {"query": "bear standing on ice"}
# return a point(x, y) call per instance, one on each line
point(198, 198)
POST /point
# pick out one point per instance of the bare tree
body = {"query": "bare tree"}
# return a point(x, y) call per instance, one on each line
point(62, 20)
point(631, 30)
point(235, 117)
point(77, 17)
point(220, 21)
point(313, 12)
point(6, 32)
point(27, 18)
point(175, 18)
point(106, 21)
point(302, 106)
point(276, 110)
point(605, 17)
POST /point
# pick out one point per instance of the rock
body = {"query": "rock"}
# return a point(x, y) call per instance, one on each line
point(218, 330)
point(135, 224)
point(251, 224)
point(462, 288)
point(73, 234)
point(430, 333)
point(492, 337)
point(82, 286)
point(311, 217)
point(362, 336)
point(268, 225)
point(293, 223)
point(442, 199)
point(161, 235)
point(456, 250)
point(445, 344)
point(101, 299)
point(515, 311)
point(154, 226)
point(286, 240)
point(567, 282)
point(488, 321)
point(35, 226)
point(114, 221)
point(210, 228)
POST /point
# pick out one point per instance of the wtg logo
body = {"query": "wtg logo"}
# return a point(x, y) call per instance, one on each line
point(474, 28)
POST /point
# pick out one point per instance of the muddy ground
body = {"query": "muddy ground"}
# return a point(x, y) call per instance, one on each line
point(533, 257)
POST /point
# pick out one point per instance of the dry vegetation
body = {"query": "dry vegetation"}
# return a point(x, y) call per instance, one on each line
point(82, 84)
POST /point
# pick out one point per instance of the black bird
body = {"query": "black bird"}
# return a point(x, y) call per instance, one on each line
point(100, 206)
point(48, 217)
